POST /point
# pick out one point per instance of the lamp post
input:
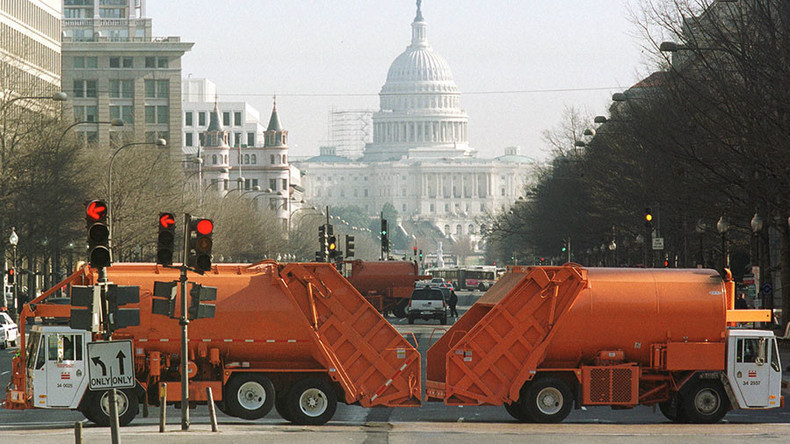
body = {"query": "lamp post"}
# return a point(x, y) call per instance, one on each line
point(723, 226)
point(113, 122)
point(757, 227)
point(14, 241)
point(700, 229)
point(159, 142)
point(640, 240)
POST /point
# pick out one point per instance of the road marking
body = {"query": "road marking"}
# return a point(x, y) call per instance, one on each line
point(5, 372)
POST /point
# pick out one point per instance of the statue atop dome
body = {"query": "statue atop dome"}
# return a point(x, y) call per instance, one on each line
point(419, 11)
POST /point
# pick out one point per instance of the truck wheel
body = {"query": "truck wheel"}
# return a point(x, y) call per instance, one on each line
point(399, 310)
point(411, 319)
point(547, 400)
point(705, 403)
point(281, 405)
point(311, 402)
point(671, 409)
point(481, 287)
point(249, 396)
point(125, 400)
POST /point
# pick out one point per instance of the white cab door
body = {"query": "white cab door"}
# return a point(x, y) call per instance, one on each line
point(65, 367)
point(752, 370)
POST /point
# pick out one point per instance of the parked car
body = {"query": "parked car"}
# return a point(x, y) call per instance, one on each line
point(9, 331)
point(428, 303)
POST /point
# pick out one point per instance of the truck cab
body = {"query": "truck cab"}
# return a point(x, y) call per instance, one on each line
point(57, 366)
point(754, 370)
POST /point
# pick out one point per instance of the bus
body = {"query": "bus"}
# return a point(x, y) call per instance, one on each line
point(476, 277)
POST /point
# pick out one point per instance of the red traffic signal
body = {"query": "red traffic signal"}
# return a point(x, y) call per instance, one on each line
point(166, 242)
point(205, 226)
point(200, 243)
point(11, 275)
point(96, 211)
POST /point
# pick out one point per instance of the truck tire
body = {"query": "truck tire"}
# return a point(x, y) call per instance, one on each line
point(399, 310)
point(671, 409)
point(281, 405)
point(516, 410)
point(481, 287)
point(705, 403)
point(546, 400)
point(411, 319)
point(99, 408)
point(249, 396)
point(311, 401)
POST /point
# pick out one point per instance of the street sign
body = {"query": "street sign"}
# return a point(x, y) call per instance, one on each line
point(658, 243)
point(110, 365)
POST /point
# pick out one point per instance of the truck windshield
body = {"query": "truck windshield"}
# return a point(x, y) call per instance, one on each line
point(32, 345)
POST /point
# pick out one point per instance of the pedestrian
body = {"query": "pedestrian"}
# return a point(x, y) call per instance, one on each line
point(452, 301)
point(740, 302)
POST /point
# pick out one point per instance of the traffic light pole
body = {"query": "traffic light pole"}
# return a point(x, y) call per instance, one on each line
point(184, 322)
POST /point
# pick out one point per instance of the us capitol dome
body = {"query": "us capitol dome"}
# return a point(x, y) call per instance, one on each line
point(420, 113)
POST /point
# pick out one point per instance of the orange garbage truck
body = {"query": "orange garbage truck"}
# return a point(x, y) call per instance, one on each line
point(387, 285)
point(545, 339)
point(294, 337)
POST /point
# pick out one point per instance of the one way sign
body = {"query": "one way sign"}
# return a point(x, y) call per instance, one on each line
point(110, 365)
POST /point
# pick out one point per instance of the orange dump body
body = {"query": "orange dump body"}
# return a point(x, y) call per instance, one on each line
point(276, 318)
point(564, 318)
point(384, 283)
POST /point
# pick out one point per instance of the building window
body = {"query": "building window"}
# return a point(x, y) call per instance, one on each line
point(188, 139)
point(446, 208)
point(285, 184)
point(254, 159)
point(202, 118)
point(127, 62)
point(433, 208)
point(213, 159)
point(162, 62)
point(157, 89)
point(156, 114)
point(502, 191)
point(86, 113)
point(271, 159)
point(246, 159)
point(273, 184)
point(85, 62)
point(471, 229)
point(188, 118)
point(122, 89)
point(366, 193)
point(237, 118)
point(250, 139)
point(150, 62)
point(122, 112)
point(403, 192)
point(115, 62)
point(226, 118)
point(285, 159)
point(237, 139)
point(404, 208)
point(459, 230)
point(446, 230)
point(84, 88)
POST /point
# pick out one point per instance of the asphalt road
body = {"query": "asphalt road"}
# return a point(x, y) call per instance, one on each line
point(430, 423)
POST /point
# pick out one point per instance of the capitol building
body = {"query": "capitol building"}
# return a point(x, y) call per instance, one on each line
point(419, 159)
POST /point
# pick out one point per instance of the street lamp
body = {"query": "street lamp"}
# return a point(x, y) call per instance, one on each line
point(113, 122)
point(14, 241)
point(723, 226)
point(700, 229)
point(640, 240)
point(159, 142)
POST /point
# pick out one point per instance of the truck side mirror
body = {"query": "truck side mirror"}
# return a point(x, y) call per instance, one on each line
point(60, 348)
point(761, 352)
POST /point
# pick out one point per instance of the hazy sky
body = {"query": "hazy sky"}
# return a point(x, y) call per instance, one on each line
point(320, 54)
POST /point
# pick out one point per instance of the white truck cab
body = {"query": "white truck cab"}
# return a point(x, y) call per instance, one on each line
point(57, 366)
point(754, 370)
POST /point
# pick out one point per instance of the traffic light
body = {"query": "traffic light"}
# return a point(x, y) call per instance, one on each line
point(415, 251)
point(164, 300)
point(420, 254)
point(199, 294)
point(85, 313)
point(200, 243)
point(564, 246)
point(11, 276)
point(666, 261)
point(349, 245)
point(332, 246)
point(385, 241)
point(99, 254)
point(648, 217)
point(323, 244)
point(166, 241)
point(117, 315)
